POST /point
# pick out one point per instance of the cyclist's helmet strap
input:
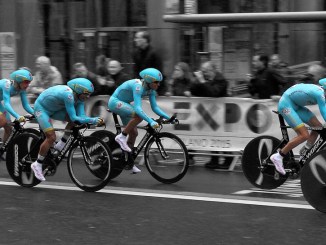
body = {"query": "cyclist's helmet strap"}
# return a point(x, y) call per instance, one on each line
point(151, 75)
point(81, 86)
point(21, 75)
point(322, 82)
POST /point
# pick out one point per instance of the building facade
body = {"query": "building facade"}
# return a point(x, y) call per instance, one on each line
point(70, 31)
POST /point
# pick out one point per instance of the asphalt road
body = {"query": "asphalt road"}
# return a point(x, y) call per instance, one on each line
point(206, 207)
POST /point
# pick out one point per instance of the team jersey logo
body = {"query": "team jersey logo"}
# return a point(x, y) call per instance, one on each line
point(70, 97)
point(119, 105)
point(38, 113)
point(7, 85)
point(138, 88)
point(286, 111)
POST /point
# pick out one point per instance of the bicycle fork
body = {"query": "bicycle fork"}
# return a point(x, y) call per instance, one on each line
point(160, 147)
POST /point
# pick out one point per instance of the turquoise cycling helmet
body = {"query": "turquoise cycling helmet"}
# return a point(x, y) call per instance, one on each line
point(21, 75)
point(322, 82)
point(81, 86)
point(151, 75)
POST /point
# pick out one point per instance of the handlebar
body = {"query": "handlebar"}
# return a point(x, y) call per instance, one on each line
point(28, 118)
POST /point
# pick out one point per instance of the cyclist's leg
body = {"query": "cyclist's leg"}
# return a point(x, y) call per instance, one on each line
point(44, 120)
point(4, 122)
point(63, 116)
point(295, 116)
point(309, 118)
point(289, 111)
point(128, 117)
point(131, 120)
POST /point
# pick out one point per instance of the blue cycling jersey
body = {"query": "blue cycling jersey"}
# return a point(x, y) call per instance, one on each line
point(57, 101)
point(293, 101)
point(134, 91)
point(7, 90)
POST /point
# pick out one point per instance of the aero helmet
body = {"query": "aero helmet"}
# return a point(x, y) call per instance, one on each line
point(151, 75)
point(322, 82)
point(81, 86)
point(21, 75)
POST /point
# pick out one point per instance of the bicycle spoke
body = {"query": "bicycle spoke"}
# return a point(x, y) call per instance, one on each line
point(166, 158)
point(89, 164)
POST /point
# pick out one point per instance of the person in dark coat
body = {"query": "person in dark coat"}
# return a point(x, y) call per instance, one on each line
point(209, 82)
point(116, 75)
point(145, 56)
point(265, 82)
point(181, 80)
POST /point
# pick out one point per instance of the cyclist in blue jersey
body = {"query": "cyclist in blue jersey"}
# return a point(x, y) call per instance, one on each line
point(292, 108)
point(63, 103)
point(17, 84)
point(131, 115)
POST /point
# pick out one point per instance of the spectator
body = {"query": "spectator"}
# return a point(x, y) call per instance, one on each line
point(116, 73)
point(146, 57)
point(101, 62)
point(81, 71)
point(265, 82)
point(314, 73)
point(211, 83)
point(45, 76)
point(282, 68)
point(182, 78)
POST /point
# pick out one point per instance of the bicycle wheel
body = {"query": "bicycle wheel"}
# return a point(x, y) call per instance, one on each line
point(32, 131)
point(21, 153)
point(313, 181)
point(258, 173)
point(88, 159)
point(166, 158)
point(117, 163)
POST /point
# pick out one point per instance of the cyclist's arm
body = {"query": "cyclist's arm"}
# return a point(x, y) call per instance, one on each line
point(138, 106)
point(69, 104)
point(6, 100)
point(155, 107)
point(80, 109)
point(322, 105)
point(24, 99)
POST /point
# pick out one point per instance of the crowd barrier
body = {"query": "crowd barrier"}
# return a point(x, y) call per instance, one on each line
point(208, 126)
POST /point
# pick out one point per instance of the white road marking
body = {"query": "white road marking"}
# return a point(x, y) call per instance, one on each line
point(291, 188)
point(184, 196)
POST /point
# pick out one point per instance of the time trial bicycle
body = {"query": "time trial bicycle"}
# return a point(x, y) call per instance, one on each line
point(17, 129)
point(311, 165)
point(86, 155)
point(165, 155)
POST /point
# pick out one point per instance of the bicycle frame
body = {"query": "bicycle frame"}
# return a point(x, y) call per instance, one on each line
point(75, 136)
point(150, 132)
point(16, 128)
point(318, 145)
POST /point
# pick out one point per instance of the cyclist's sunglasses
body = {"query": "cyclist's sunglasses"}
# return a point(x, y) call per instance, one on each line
point(156, 82)
point(26, 81)
point(86, 94)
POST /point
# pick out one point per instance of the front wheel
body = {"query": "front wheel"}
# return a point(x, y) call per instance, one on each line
point(259, 170)
point(21, 153)
point(89, 164)
point(166, 158)
point(313, 181)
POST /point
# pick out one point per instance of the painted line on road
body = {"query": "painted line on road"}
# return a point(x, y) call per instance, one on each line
point(173, 196)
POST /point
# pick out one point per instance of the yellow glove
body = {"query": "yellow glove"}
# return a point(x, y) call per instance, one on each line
point(21, 119)
point(100, 122)
point(155, 125)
